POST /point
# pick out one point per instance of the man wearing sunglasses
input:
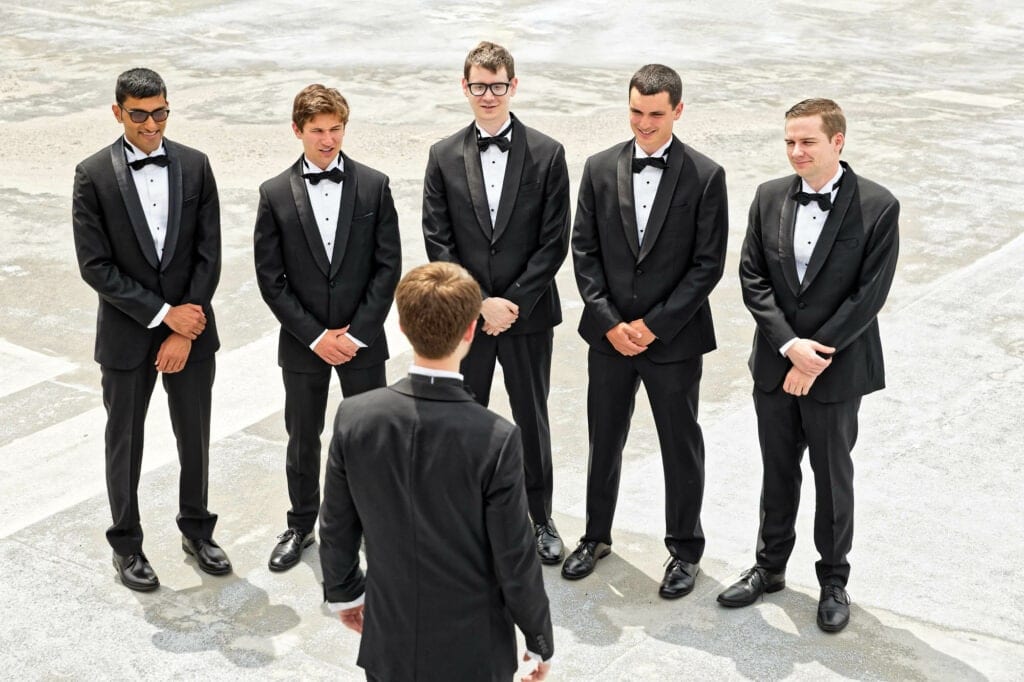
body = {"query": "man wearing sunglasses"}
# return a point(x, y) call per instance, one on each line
point(496, 201)
point(146, 220)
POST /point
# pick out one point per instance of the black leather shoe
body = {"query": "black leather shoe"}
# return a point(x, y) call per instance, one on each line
point(679, 579)
point(289, 549)
point(581, 562)
point(833, 608)
point(135, 572)
point(549, 543)
point(210, 557)
point(752, 584)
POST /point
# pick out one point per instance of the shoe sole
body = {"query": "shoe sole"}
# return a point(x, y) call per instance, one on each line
point(737, 604)
point(298, 558)
point(832, 628)
point(597, 558)
point(138, 587)
point(204, 569)
point(551, 561)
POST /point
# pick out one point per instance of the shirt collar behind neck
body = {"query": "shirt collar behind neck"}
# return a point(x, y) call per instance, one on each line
point(134, 152)
point(438, 373)
point(311, 167)
point(483, 133)
point(831, 184)
point(660, 151)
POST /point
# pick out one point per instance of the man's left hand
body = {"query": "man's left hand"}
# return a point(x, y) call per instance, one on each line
point(646, 335)
point(797, 383)
point(173, 354)
point(353, 618)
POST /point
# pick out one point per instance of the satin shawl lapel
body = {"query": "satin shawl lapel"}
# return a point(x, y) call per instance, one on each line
point(432, 388)
point(513, 177)
point(174, 200)
point(627, 209)
point(475, 180)
point(666, 189)
point(130, 197)
point(307, 220)
point(345, 212)
point(787, 226)
point(827, 239)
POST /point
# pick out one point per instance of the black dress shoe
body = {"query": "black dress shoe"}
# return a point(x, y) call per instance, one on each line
point(210, 557)
point(581, 562)
point(752, 584)
point(289, 549)
point(549, 543)
point(679, 578)
point(833, 608)
point(135, 572)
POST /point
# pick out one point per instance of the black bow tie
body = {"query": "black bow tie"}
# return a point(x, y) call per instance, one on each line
point(335, 175)
point(500, 140)
point(655, 161)
point(824, 200)
point(161, 161)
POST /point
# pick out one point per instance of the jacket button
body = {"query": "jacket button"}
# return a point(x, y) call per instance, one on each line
point(333, 283)
point(494, 251)
point(801, 305)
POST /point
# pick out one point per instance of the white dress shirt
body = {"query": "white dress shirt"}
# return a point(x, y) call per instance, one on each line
point(493, 162)
point(151, 184)
point(645, 187)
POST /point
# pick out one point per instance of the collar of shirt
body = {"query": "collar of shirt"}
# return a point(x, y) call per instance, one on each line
point(832, 183)
point(311, 167)
point(483, 133)
point(133, 153)
point(660, 151)
point(438, 373)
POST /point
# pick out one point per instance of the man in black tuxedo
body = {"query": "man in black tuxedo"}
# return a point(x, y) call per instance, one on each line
point(649, 246)
point(328, 256)
point(146, 222)
point(496, 201)
point(435, 483)
point(815, 268)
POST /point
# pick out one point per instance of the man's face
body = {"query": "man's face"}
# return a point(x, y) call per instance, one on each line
point(489, 109)
point(651, 117)
point(321, 138)
point(814, 157)
point(148, 135)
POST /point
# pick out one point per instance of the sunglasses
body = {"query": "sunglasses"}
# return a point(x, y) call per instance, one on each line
point(140, 115)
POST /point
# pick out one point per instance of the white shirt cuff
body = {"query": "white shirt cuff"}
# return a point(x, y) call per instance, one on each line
point(355, 340)
point(346, 605)
point(536, 658)
point(160, 316)
point(312, 346)
point(786, 346)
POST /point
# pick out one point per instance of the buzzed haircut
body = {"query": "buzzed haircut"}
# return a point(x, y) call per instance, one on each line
point(436, 303)
point(317, 99)
point(490, 56)
point(654, 78)
point(832, 118)
point(139, 83)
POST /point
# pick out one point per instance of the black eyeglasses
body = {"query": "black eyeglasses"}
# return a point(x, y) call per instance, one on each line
point(140, 115)
point(497, 89)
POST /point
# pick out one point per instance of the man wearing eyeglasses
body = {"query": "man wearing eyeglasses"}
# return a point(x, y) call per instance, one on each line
point(496, 201)
point(146, 220)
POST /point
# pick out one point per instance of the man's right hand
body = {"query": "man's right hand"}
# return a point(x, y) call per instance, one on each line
point(335, 348)
point(539, 673)
point(499, 314)
point(353, 618)
point(804, 354)
point(625, 339)
point(188, 319)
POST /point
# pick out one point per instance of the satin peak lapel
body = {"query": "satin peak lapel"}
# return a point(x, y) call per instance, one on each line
point(787, 225)
point(306, 218)
point(345, 213)
point(513, 176)
point(475, 180)
point(130, 197)
point(829, 231)
point(174, 201)
point(666, 189)
point(627, 209)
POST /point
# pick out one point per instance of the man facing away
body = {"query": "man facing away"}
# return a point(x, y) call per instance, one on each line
point(146, 221)
point(649, 246)
point(328, 256)
point(816, 266)
point(496, 201)
point(434, 481)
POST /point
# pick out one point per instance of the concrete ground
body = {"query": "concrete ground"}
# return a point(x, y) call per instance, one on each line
point(932, 91)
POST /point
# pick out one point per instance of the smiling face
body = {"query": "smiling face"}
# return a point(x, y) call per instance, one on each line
point(489, 110)
point(813, 156)
point(651, 117)
point(148, 135)
point(321, 138)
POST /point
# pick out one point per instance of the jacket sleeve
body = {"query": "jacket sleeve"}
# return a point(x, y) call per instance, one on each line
point(341, 530)
point(587, 259)
point(368, 321)
point(206, 243)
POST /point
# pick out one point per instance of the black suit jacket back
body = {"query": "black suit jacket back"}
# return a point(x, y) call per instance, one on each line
point(117, 258)
point(667, 280)
point(520, 257)
point(435, 482)
point(844, 288)
point(307, 293)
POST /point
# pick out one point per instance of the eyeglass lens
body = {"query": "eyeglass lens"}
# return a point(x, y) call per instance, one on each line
point(140, 116)
point(498, 89)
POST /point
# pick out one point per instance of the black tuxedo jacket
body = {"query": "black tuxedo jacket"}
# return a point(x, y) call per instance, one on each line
point(307, 293)
point(845, 286)
point(435, 483)
point(520, 257)
point(667, 280)
point(117, 258)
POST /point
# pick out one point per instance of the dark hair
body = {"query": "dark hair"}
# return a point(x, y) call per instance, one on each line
point(654, 78)
point(436, 303)
point(832, 118)
point(491, 57)
point(139, 83)
point(318, 99)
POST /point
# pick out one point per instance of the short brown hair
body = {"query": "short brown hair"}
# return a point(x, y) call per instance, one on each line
point(436, 303)
point(318, 99)
point(654, 78)
point(491, 57)
point(832, 119)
